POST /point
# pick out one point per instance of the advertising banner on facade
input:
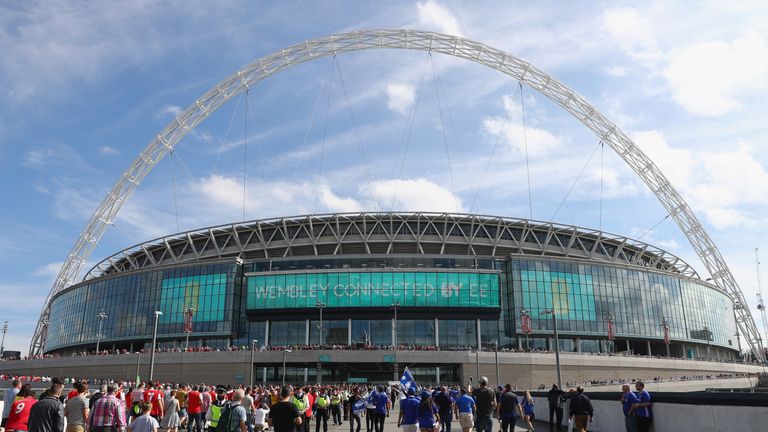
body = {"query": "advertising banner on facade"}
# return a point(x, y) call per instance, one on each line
point(373, 289)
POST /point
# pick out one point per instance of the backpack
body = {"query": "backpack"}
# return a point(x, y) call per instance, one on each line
point(225, 418)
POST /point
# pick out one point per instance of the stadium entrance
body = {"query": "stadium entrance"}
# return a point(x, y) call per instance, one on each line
point(361, 373)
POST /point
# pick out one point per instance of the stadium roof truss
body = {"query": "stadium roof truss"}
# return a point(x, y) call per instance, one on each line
point(388, 233)
point(455, 46)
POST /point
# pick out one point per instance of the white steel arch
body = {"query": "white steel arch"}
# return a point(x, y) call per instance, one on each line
point(455, 46)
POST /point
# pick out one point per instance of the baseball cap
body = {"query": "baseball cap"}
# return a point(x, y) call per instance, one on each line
point(483, 380)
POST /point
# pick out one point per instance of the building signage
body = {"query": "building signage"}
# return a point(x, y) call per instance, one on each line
point(374, 289)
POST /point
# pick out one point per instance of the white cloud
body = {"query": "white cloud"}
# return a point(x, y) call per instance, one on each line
point(436, 16)
point(538, 141)
point(634, 34)
point(709, 78)
point(50, 270)
point(168, 111)
point(718, 184)
point(400, 97)
point(107, 150)
point(417, 194)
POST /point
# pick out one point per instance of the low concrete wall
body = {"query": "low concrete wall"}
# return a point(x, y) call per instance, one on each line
point(526, 370)
point(671, 417)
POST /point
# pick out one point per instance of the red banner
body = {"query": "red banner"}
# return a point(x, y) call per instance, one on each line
point(188, 321)
point(666, 335)
point(610, 330)
point(526, 324)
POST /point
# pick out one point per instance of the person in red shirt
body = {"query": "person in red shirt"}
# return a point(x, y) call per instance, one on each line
point(155, 397)
point(18, 418)
point(195, 409)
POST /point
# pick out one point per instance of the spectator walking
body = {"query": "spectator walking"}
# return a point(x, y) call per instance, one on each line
point(370, 411)
point(171, 421)
point(356, 410)
point(465, 411)
point(47, 415)
point(108, 414)
point(76, 409)
point(145, 422)
point(485, 400)
point(529, 413)
point(18, 418)
point(445, 406)
point(322, 404)
point(383, 405)
point(580, 410)
point(10, 396)
point(428, 413)
point(409, 412)
point(642, 409)
point(628, 399)
point(195, 410)
point(260, 418)
point(284, 416)
point(507, 409)
point(555, 400)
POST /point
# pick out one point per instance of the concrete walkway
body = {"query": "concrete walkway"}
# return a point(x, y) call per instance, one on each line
point(390, 425)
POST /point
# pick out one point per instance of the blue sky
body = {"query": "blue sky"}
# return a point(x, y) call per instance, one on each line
point(86, 85)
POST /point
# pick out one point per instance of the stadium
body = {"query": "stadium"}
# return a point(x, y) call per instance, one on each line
point(357, 297)
point(424, 283)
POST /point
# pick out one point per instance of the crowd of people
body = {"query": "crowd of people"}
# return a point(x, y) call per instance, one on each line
point(122, 406)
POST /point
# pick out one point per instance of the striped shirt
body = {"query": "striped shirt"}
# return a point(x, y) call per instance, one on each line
point(108, 411)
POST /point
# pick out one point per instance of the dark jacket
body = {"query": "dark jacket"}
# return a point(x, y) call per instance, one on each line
point(554, 396)
point(47, 415)
point(580, 405)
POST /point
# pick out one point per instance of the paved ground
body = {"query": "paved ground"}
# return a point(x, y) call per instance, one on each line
point(391, 426)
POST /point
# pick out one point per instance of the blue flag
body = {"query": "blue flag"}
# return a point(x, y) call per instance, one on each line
point(407, 381)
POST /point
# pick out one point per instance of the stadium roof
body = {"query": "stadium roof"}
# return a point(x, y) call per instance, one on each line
point(388, 234)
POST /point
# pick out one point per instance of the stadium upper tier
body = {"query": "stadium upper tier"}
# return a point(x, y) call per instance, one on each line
point(390, 233)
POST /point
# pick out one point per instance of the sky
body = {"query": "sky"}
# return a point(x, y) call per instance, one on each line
point(87, 85)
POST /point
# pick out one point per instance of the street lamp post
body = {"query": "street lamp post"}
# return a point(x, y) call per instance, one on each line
point(320, 305)
point(102, 316)
point(284, 353)
point(557, 344)
point(2, 344)
point(394, 306)
point(188, 326)
point(253, 349)
point(496, 354)
point(154, 347)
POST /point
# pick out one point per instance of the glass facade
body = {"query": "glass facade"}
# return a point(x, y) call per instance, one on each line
point(227, 311)
point(584, 296)
point(130, 301)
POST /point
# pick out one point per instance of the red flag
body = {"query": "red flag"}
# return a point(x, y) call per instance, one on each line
point(610, 330)
point(526, 327)
point(666, 335)
point(188, 321)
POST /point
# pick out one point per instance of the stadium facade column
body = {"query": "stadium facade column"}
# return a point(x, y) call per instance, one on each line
point(477, 321)
point(266, 333)
point(578, 345)
point(437, 337)
point(349, 331)
point(648, 344)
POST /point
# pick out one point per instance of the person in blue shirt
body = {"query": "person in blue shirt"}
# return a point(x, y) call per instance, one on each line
point(627, 400)
point(465, 411)
point(642, 409)
point(381, 400)
point(428, 413)
point(409, 412)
